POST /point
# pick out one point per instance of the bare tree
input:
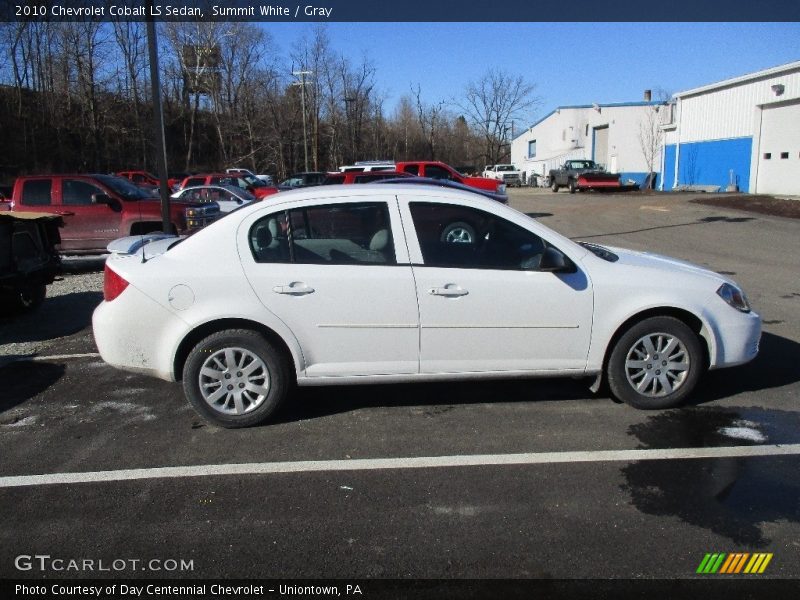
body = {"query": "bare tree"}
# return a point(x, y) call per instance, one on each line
point(429, 117)
point(491, 105)
point(650, 133)
point(131, 41)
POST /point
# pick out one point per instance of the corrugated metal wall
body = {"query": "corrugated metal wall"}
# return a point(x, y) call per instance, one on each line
point(731, 112)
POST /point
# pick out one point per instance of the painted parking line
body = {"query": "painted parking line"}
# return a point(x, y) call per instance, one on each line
point(421, 462)
point(657, 208)
point(64, 356)
point(48, 357)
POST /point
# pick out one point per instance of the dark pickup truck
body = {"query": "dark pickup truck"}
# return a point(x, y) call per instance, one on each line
point(98, 209)
point(577, 175)
point(28, 259)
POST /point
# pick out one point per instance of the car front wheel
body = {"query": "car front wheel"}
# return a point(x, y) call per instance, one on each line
point(655, 364)
point(554, 186)
point(235, 378)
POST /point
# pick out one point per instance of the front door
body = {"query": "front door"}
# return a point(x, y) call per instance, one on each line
point(484, 306)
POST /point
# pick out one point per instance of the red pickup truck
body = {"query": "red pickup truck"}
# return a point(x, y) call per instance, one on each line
point(439, 170)
point(97, 209)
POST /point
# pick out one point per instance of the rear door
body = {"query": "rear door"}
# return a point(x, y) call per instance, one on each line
point(337, 273)
point(36, 195)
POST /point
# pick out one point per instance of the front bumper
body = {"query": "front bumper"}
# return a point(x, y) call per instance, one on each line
point(737, 340)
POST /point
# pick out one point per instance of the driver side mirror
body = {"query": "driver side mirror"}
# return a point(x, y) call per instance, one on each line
point(555, 261)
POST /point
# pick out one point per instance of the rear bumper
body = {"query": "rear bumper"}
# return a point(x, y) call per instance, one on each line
point(140, 346)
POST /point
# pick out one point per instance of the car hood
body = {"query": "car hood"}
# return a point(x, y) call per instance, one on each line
point(665, 263)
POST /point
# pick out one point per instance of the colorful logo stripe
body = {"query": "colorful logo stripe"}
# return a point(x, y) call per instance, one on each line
point(734, 563)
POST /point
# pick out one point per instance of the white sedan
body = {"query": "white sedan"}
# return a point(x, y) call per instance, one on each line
point(400, 283)
point(228, 197)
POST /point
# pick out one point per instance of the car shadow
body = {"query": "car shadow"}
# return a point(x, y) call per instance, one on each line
point(775, 366)
point(56, 317)
point(314, 402)
point(23, 380)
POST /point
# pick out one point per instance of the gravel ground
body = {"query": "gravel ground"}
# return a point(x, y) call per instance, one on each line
point(65, 312)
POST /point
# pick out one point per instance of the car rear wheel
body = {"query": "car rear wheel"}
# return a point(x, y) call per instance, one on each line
point(554, 186)
point(655, 364)
point(235, 378)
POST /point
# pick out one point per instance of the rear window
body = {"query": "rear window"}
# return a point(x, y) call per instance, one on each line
point(36, 192)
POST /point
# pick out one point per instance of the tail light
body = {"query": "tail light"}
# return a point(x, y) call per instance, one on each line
point(113, 284)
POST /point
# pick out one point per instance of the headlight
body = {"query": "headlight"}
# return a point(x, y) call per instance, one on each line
point(734, 296)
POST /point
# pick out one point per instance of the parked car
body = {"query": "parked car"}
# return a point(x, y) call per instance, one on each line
point(367, 166)
point(251, 184)
point(323, 287)
point(263, 177)
point(301, 180)
point(446, 183)
point(348, 177)
point(578, 175)
point(28, 259)
point(99, 208)
point(508, 174)
point(228, 197)
point(439, 170)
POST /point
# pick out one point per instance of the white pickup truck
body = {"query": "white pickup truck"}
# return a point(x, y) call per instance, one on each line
point(508, 174)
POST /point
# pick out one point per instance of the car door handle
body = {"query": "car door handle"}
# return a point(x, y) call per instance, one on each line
point(451, 290)
point(296, 288)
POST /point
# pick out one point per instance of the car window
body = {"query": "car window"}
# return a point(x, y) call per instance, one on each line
point(460, 236)
point(413, 169)
point(269, 239)
point(195, 181)
point(437, 172)
point(36, 192)
point(333, 234)
point(78, 193)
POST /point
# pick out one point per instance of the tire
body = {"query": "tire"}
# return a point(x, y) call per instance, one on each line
point(635, 373)
point(222, 352)
point(554, 185)
point(458, 232)
point(573, 187)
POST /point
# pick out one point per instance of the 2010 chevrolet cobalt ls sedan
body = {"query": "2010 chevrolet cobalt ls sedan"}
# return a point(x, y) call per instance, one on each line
point(414, 283)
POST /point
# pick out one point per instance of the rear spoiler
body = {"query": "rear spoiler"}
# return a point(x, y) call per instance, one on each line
point(149, 244)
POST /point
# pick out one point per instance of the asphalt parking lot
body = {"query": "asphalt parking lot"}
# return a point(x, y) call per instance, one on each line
point(526, 479)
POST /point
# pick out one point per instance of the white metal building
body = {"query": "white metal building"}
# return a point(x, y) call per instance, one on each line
point(739, 133)
point(610, 134)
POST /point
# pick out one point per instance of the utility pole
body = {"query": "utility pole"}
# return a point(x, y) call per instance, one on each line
point(158, 119)
point(348, 103)
point(302, 84)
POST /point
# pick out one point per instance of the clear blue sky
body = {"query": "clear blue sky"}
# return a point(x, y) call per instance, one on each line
point(571, 63)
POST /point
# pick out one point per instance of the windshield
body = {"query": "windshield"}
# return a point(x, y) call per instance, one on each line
point(581, 164)
point(253, 181)
point(506, 168)
point(124, 188)
point(239, 192)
